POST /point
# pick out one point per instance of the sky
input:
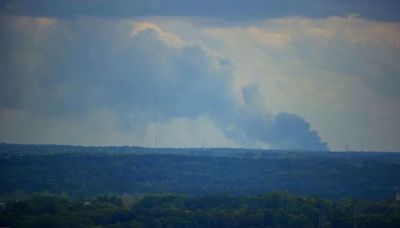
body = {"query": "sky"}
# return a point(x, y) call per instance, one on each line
point(310, 75)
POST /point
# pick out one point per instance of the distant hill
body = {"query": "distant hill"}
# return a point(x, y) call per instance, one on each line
point(89, 171)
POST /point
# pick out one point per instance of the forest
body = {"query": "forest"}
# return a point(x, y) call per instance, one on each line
point(73, 186)
point(86, 171)
point(277, 209)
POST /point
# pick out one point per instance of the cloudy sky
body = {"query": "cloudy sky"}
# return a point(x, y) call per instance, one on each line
point(314, 75)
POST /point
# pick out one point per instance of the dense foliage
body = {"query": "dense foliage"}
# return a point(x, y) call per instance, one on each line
point(139, 187)
point(87, 171)
point(277, 209)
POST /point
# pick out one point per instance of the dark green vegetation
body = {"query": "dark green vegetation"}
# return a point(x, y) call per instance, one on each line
point(91, 171)
point(139, 187)
point(271, 210)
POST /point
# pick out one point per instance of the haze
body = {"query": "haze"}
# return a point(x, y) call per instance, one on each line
point(315, 75)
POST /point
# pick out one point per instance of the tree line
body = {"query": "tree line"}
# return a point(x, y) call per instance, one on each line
point(277, 209)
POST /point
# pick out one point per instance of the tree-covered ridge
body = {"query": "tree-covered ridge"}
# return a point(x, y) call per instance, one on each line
point(278, 209)
point(81, 171)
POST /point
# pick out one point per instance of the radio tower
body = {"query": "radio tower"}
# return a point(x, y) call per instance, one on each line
point(155, 124)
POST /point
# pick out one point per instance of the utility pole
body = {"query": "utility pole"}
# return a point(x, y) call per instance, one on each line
point(321, 218)
point(355, 217)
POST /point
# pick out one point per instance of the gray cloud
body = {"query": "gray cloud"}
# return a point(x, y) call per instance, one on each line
point(87, 70)
point(236, 9)
point(283, 131)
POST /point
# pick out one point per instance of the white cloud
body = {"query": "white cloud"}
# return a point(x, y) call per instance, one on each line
point(166, 37)
point(105, 91)
point(249, 34)
point(340, 73)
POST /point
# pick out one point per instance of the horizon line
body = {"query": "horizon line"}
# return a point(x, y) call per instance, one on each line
point(199, 148)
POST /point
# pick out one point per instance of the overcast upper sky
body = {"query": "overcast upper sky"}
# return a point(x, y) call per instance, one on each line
point(314, 75)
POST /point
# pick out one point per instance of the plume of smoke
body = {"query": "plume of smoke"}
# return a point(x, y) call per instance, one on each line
point(100, 66)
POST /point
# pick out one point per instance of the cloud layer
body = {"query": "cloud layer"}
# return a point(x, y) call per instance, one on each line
point(173, 81)
point(233, 10)
point(95, 81)
point(341, 73)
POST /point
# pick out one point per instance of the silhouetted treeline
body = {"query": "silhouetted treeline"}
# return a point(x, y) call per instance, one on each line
point(278, 209)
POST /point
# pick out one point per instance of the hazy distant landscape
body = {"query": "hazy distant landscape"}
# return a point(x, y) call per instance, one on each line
point(92, 171)
point(187, 113)
point(199, 186)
